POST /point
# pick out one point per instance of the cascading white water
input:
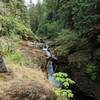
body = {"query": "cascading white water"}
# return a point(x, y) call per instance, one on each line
point(48, 54)
point(50, 69)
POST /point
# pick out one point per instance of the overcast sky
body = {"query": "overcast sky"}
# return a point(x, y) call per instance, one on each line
point(27, 2)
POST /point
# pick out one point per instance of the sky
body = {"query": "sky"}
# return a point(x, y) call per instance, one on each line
point(27, 2)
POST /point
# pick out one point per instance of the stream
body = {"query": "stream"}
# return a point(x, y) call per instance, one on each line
point(50, 66)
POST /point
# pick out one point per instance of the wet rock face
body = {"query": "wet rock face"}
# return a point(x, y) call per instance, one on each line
point(2, 65)
point(78, 61)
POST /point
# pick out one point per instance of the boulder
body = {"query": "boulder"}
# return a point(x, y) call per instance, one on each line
point(2, 65)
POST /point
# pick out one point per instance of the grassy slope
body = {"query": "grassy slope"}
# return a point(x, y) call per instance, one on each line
point(20, 78)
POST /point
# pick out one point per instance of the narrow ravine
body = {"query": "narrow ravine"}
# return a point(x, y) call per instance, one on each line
point(78, 95)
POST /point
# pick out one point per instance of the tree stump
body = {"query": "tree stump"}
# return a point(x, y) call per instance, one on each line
point(3, 68)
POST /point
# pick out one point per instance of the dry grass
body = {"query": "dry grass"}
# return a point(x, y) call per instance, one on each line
point(33, 54)
point(23, 82)
point(26, 77)
point(17, 72)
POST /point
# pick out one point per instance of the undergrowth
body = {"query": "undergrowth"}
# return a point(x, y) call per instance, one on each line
point(9, 49)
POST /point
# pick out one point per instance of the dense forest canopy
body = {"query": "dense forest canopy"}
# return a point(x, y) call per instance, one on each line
point(77, 20)
point(79, 15)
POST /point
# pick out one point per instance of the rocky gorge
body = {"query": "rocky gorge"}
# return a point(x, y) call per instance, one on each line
point(77, 64)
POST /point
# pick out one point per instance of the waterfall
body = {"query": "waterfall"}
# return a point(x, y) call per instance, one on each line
point(50, 67)
point(46, 51)
point(50, 72)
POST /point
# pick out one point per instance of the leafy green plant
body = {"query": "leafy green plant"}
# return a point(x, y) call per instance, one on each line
point(91, 71)
point(66, 82)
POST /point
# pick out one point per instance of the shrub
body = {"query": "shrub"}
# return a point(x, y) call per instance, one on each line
point(49, 28)
point(67, 40)
point(10, 25)
point(66, 81)
point(53, 27)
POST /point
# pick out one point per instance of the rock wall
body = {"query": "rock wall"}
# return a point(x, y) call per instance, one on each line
point(75, 64)
point(78, 61)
